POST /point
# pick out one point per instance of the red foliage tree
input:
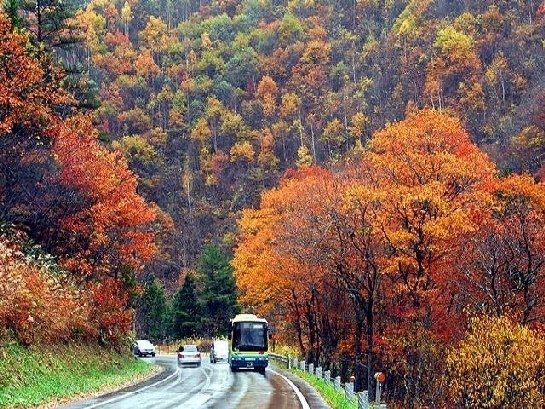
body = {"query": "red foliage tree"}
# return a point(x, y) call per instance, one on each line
point(76, 198)
point(112, 226)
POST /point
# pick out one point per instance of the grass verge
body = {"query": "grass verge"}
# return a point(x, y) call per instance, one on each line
point(39, 375)
point(333, 397)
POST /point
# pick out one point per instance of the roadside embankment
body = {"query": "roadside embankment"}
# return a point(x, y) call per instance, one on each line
point(335, 398)
point(48, 374)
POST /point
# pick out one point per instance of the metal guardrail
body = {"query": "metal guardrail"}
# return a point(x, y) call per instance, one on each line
point(284, 359)
point(359, 398)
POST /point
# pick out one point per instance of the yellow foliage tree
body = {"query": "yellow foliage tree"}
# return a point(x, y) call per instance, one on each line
point(267, 91)
point(304, 158)
point(290, 105)
point(155, 35)
point(242, 150)
point(498, 365)
point(357, 126)
point(126, 15)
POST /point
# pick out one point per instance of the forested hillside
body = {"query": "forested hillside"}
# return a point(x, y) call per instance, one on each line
point(372, 166)
point(211, 101)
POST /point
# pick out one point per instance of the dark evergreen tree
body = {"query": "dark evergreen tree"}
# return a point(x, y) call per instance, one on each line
point(11, 7)
point(218, 297)
point(152, 311)
point(50, 21)
point(185, 312)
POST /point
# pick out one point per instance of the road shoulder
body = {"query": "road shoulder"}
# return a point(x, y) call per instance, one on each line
point(313, 398)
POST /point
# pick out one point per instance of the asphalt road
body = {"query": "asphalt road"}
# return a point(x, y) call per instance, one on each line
point(210, 386)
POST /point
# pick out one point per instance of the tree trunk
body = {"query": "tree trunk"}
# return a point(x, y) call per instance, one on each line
point(39, 20)
point(298, 326)
point(370, 353)
point(313, 143)
point(358, 336)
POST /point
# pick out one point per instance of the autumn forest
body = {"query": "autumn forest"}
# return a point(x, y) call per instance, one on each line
point(367, 174)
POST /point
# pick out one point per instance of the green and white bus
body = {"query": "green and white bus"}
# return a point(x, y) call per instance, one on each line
point(248, 343)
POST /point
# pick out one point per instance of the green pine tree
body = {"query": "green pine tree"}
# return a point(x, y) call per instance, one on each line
point(11, 7)
point(185, 312)
point(52, 20)
point(218, 297)
point(152, 310)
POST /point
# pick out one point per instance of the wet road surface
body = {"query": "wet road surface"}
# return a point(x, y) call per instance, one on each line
point(209, 386)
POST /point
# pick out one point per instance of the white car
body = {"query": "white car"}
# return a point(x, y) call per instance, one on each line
point(189, 355)
point(143, 347)
point(219, 351)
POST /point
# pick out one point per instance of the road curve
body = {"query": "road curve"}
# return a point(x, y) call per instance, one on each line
point(210, 386)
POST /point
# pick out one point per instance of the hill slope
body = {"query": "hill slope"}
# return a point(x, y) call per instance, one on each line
point(212, 101)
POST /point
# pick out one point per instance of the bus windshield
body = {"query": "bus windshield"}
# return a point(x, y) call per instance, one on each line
point(250, 336)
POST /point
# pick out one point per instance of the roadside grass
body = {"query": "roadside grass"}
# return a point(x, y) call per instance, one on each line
point(332, 396)
point(39, 375)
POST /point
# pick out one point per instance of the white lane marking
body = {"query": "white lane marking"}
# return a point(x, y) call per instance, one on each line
point(302, 399)
point(208, 378)
point(220, 389)
point(178, 381)
point(127, 394)
point(199, 386)
point(177, 399)
point(196, 397)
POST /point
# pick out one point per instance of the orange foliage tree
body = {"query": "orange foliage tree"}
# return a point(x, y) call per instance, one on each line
point(29, 88)
point(76, 198)
point(318, 229)
point(37, 304)
point(381, 234)
point(434, 183)
point(275, 236)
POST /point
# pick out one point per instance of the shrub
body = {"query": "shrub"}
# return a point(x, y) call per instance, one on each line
point(37, 305)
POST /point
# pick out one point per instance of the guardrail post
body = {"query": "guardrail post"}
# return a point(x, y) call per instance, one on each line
point(319, 372)
point(327, 376)
point(380, 378)
point(295, 362)
point(337, 382)
point(289, 361)
point(349, 390)
point(303, 366)
point(378, 392)
point(311, 368)
point(363, 400)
